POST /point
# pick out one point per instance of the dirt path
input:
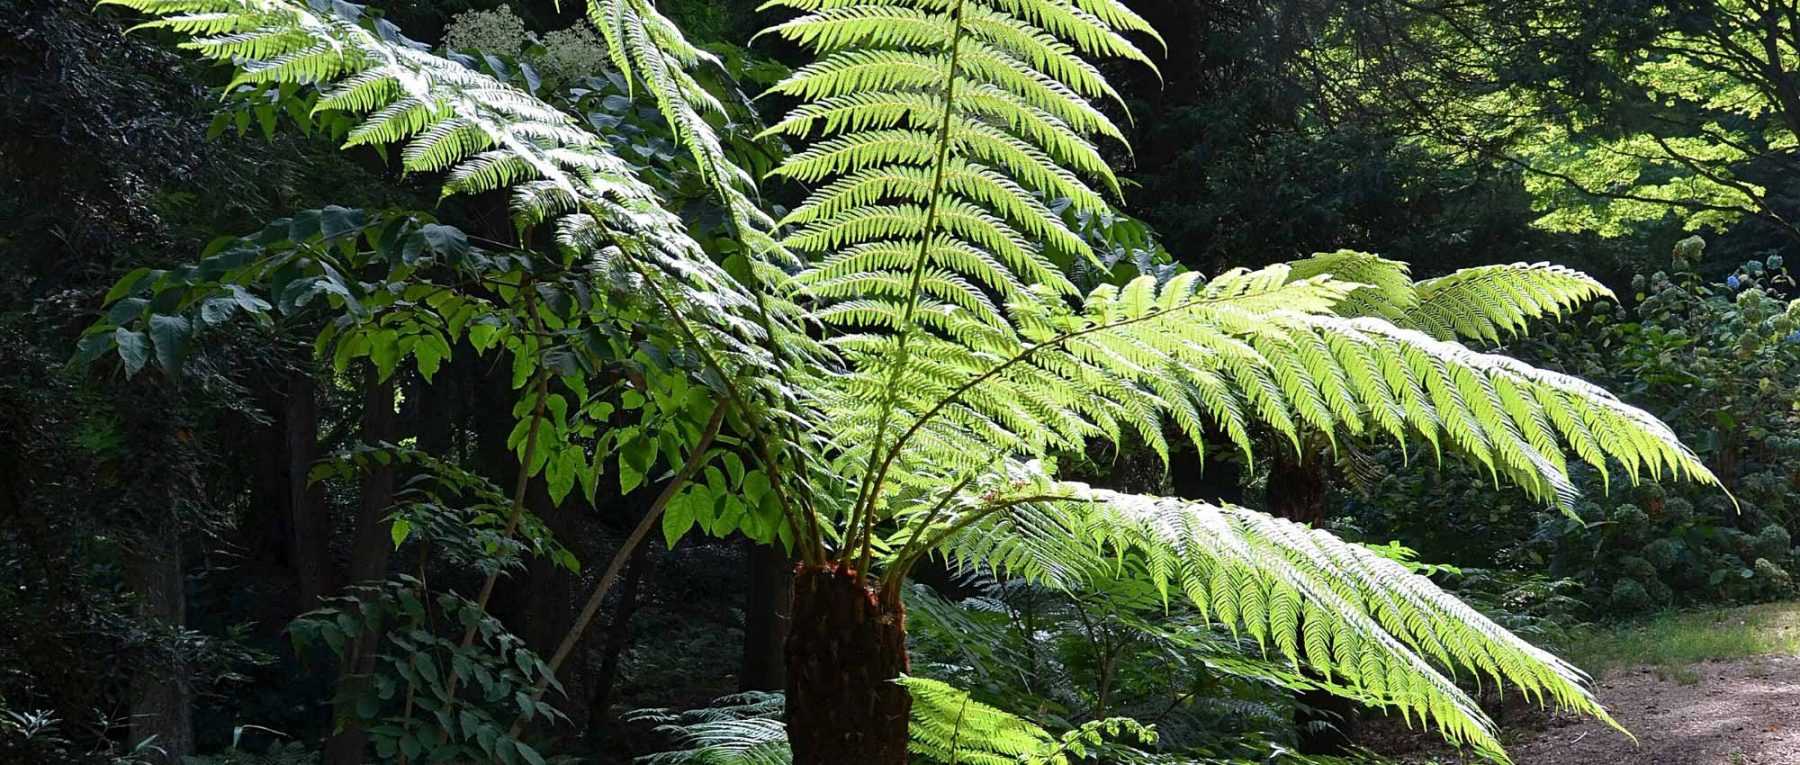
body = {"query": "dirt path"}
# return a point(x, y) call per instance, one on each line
point(1740, 712)
point(1736, 712)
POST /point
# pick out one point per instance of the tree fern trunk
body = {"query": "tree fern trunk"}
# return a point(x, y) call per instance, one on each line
point(844, 650)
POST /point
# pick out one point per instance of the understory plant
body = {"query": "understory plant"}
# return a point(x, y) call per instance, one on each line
point(890, 371)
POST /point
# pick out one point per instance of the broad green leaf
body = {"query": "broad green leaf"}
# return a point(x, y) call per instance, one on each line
point(399, 530)
point(134, 349)
point(171, 335)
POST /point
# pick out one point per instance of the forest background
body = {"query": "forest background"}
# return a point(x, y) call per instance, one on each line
point(160, 534)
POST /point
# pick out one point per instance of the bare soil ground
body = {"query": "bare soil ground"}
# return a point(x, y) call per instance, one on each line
point(1733, 712)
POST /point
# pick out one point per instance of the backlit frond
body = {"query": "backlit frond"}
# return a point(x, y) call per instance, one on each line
point(1307, 597)
point(1493, 302)
point(1479, 303)
point(486, 134)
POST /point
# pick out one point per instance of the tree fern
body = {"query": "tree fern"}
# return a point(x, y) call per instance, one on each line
point(958, 354)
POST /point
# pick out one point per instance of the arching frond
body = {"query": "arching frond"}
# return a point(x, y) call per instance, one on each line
point(486, 134)
point(1307, 597)
point(1248, 348)
point(1492, 302)
point(650, 51)
point(1479, 303)
point(937, 129)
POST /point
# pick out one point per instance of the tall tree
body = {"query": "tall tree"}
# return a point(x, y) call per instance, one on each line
point(1617, 113)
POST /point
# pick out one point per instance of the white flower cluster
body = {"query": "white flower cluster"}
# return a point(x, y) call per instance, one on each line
point(573, 53)
point(495, 31)
point(566, 54)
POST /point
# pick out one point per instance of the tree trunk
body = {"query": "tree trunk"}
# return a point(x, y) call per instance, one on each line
point(309, 531)
point(618, 637)
point(844, 650)
point(766, 610)
point(543, 600)
point(1297, 485)
point(1324, 721)
point(161, 691)
point(372, 545)
point(369, 553)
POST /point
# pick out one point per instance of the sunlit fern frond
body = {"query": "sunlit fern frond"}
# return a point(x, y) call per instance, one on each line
point(1388, 288)
point(1512, 417)
point(1244, 350)
point(1305, 596)
point(486, 135)
point(1493, 302)
point(949, 726)
point(650, 51)
point(1053, 377)
point(934, 131)
point(1480, 303)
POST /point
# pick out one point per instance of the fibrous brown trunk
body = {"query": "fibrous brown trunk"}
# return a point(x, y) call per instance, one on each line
point(161, 692)
point(845, 648)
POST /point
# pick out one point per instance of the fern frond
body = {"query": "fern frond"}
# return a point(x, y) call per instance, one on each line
point(1266, 349)
point(939, 127)
point(491, 136)
point(741, 729)
point(1480, 303)
point(649, 49)
point(1307, 597)
point(1493, 302)
point(948, 726)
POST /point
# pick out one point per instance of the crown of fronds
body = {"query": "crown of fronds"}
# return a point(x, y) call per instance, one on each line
point(934, 130)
